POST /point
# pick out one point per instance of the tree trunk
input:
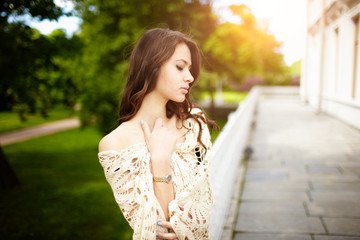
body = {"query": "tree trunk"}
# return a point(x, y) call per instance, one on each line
point(8, 178)
point(212, 105)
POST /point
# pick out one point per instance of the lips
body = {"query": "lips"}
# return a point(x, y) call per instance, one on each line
point(185, 89)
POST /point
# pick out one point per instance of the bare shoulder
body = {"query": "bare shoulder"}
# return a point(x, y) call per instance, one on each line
point(197, 110)
point(122, 137)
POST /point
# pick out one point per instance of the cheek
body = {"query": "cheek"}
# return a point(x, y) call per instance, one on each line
point(168, 78)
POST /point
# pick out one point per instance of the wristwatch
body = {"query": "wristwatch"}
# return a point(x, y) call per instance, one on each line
point(166, 179)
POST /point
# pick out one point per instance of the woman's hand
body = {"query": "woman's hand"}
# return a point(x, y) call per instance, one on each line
point(161, 141)
point(170, 235)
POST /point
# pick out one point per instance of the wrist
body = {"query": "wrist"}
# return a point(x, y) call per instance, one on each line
point(160, 171)
point(160, 166)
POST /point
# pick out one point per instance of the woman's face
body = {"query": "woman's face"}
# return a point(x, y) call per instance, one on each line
point(175, 77)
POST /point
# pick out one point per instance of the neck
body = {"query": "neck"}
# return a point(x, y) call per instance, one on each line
point(152, 108)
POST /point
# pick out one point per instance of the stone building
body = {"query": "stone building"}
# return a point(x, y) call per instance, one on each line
point(330, 79)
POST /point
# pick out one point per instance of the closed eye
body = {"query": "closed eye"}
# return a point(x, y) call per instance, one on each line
point(179, 68)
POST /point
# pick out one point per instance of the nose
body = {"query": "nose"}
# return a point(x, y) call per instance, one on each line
point(189, 78)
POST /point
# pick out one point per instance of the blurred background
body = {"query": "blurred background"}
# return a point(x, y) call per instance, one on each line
point(62, 59)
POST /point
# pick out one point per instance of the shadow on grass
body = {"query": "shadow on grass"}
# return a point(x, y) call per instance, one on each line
point(64, 194)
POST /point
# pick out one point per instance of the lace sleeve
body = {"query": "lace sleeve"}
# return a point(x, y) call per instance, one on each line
point(190, 211)
point(129, 176)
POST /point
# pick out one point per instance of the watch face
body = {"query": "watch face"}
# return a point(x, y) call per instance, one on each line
point(168, 178)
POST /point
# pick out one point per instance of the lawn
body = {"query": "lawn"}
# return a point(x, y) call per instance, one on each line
point(64, 194)
point(228, 96)
point(10, 121)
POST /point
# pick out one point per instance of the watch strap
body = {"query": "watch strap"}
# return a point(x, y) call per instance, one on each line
point(166, 179)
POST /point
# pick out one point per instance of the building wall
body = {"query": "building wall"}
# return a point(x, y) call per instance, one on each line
point(327, 81)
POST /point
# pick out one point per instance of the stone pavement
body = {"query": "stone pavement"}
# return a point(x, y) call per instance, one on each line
point(302, 181)
point(44, 129)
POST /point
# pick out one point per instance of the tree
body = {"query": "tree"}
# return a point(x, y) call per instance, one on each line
point(24, 54)
point(239, 50)
point(8, 178)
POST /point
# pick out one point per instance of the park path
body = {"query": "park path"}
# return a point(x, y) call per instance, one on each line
point(302, 181)
point(37, 131)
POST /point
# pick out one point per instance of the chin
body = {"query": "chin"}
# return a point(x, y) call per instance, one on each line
point(179, 100)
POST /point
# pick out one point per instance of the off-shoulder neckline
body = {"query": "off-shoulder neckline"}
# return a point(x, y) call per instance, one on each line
point(143, 144)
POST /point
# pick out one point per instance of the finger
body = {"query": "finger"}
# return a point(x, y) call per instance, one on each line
point(166, 224)
point(166, 235)
point(146, 129)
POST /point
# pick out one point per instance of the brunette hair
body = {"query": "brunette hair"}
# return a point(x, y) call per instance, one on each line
point(153, 49)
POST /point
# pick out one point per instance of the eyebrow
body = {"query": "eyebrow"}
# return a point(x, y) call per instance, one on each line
point(183, 61)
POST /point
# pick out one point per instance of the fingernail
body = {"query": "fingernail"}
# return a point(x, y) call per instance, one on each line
point(141, 122)
point(160, 223)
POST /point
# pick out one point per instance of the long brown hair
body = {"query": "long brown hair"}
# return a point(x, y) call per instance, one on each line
point(153, 49)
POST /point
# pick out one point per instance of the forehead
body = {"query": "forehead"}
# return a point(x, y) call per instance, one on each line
point(182, 52)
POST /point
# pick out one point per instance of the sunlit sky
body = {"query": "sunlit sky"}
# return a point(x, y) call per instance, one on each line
point(286, 19)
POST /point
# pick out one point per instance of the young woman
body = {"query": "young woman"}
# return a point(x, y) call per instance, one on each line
point(155, 160)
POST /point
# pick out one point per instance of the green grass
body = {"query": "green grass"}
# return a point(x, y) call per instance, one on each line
point(10, 121)
point(215, 133)
point(228, 96)
point(64, 194)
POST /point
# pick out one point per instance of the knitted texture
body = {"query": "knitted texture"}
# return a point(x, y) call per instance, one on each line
point(128, 173)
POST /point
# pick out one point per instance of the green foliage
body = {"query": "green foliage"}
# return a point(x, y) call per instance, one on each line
point(207, 82)
point(36, 69)
point(40, 71)
point(63, 194)
point(239, 50)
point(215, 133)
point(295, 68)
point(43, 9)
point(110, 30)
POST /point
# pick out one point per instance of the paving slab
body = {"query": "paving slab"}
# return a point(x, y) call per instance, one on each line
point(334, 209)
point(311, 177)
point(265, 164)
point(277, 186)
point(336, 196)
point(322, 169)
point(355, 170)
point(268, 236)
point(274, 196)
point(347, 226)
point(335, 185)
point(282, 224)
point(273, 208)
point(349, 164)
point(328, 237)
point(270, 174)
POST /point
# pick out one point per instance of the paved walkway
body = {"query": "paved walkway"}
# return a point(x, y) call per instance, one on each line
point(303, 180)
point(44, 129)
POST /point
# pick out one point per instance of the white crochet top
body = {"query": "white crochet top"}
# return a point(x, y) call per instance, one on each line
point(128, 173)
